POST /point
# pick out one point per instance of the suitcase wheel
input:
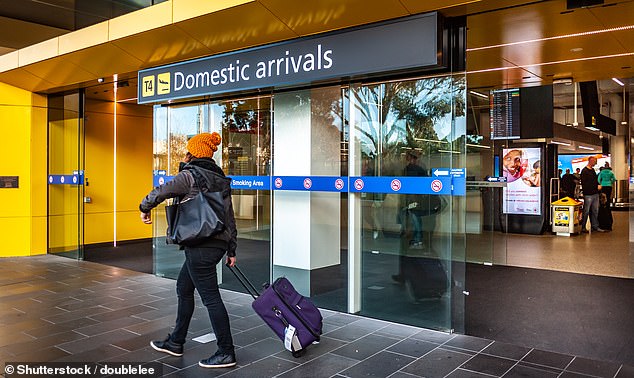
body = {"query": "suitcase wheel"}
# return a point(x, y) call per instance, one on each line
point(299, 353)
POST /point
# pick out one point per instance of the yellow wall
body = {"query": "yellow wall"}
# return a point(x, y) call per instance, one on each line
point(23, 153)
point(134, 171)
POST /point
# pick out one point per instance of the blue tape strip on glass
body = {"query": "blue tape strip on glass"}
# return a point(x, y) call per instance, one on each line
point(310, 183)
point(66, 179)
point(448, 185)
point(401, 185)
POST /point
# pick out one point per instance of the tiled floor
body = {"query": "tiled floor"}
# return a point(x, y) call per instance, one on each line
point(57, 309)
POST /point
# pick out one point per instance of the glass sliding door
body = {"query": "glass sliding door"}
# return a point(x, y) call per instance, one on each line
point(173, 126)
point(245, 126)
point(65, 170)
point(410, 246)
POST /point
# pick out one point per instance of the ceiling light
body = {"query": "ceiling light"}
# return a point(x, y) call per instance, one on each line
point(100, 80)
point(563, 80)
point(628, 27)
point(549, 63)
point(592, 128)
point(576, 49)
point(623, 122)
point(619, 82)
point(586, 148)
point(561, 143)
point(479, 94)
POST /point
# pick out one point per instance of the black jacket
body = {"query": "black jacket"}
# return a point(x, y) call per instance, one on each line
point(589, 181)
point(182, 187)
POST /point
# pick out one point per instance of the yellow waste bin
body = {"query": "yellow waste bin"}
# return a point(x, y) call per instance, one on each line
point(566, 216)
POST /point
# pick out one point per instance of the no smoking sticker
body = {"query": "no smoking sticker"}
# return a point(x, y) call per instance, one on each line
point(436, 186)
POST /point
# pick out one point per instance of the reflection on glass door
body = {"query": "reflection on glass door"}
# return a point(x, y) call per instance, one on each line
point(410, 244)
point(245, 127)
point(173, 126)
point(65, 165)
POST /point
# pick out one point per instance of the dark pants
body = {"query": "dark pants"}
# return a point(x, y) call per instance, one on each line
point(608, 192)
point(199, 272)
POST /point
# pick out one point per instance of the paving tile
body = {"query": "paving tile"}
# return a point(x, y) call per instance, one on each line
point(365, 347)
point(398, 331)
point(413, 347)
point(379, 365)
point(461, 373)
point(247, 322)
point(533, 371)
point(625, 372)
point(486, 364)
point(196, 371)
point(468, 342)
point(41, 355)
point(569, 374)
point(540, 357)
point(513, 352)
point(100, 353)
point(349, 332)
point(341, 319)
point(401, 374)
point(326, 345)
point(254, 335)
point(592, 367)
point(107, 326)
point(432, 336)
point(437, 363)
point(259, 350)
point(267, 367)
point(324, 366)
point(92, 342)
point(41, 343)
point(51, 329)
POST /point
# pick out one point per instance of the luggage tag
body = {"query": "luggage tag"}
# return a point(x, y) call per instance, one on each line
point(291, 341)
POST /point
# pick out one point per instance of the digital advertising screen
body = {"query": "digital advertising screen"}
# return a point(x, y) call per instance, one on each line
point(573, 162)
point(522, 169)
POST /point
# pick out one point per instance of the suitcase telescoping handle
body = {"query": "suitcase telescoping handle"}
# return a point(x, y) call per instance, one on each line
point(244, 281)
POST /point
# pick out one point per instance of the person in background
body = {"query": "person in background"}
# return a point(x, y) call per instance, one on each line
point(577, 174)
point(568, 184)
point(590, 187)
point(414, 202)
point(606, 180)
point(199, 269)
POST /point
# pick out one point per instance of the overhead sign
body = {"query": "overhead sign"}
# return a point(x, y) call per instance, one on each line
point(410, 43)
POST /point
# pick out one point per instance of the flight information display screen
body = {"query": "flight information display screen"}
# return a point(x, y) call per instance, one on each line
point(505, 113)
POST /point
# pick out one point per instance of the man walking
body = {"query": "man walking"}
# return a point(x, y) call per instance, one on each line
point(590, 187)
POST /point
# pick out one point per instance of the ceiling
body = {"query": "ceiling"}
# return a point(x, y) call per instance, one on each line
point(509, 43)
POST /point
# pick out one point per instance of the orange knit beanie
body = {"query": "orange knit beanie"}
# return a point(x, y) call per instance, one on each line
point(204, 144)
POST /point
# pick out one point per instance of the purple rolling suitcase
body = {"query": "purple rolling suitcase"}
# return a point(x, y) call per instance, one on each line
point(294, 318)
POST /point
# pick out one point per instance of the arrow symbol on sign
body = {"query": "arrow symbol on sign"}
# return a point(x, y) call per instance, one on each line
point(438, 172)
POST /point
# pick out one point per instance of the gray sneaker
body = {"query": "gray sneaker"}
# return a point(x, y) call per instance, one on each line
point(219, 360)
